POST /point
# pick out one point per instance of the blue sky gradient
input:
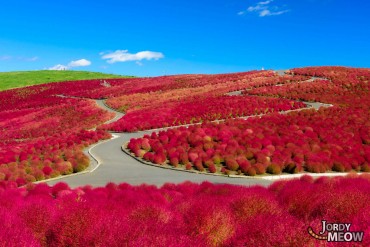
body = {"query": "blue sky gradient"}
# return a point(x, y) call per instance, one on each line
point(182, 37)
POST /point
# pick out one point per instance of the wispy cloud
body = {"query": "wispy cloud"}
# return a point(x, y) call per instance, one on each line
point(125, 56)
point(78, 63)
point(265, 8)
point(24, 59)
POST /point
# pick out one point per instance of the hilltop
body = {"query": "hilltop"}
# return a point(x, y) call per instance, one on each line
point(17, 79)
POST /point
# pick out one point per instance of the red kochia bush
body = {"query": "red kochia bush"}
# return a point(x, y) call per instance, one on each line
point(47, 170)
point(187, 214)
point(14, 232)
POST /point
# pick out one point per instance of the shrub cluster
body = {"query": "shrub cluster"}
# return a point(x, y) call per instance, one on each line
point(301, 141)
point(205, 86)
point(43, 135)
point(198, 110)
point(330, 139)
point(182, 215)
point(96, 89)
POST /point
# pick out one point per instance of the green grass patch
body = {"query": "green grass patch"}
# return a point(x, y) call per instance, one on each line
point(16, 79)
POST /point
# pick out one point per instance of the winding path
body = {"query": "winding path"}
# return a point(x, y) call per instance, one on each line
point(115, 166)
point(110, 164)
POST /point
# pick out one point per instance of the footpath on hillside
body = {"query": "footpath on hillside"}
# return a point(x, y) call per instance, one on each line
point(110, 164)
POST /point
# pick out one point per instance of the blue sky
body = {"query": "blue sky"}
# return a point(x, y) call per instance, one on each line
point(148, 38)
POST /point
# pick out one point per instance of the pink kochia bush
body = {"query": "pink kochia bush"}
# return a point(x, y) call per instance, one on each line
point(182, 215)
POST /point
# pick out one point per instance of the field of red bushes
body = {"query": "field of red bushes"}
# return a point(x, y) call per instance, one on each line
point(45, 128)
point(329, 139)
point(43, 135)
point(189, 111)
point(183, 215)
point(200, 99)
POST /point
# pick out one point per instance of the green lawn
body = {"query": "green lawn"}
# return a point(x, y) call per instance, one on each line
point(26, 78)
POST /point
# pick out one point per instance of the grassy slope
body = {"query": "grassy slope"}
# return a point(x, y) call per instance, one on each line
point(26, 78)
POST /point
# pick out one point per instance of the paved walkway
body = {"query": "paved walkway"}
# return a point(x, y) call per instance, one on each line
point(101, 104)
point(118, 167)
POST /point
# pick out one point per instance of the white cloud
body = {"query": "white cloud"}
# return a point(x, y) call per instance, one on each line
point(58, 67)
point(32, 59)
point(125, 56)
point(79, 63)
point(265, 9)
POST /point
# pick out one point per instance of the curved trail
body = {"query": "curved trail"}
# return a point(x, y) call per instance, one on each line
point(118, 167)
point(102, 105)
point(110, 164)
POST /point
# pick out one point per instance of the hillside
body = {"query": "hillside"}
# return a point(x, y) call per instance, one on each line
point(26, 78)
point(255, 123)
point(206, 132)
